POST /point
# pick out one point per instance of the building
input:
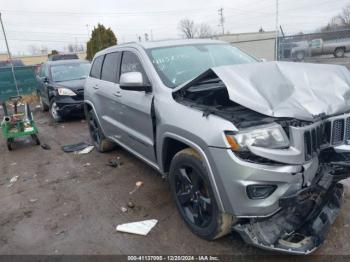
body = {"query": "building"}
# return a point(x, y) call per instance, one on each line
point(34, 59)
point(258, 44)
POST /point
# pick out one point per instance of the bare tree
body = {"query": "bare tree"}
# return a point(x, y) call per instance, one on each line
point(341, 21)
point(344, 16)
point(204, 31)
point(34, 50)
point(187, 27)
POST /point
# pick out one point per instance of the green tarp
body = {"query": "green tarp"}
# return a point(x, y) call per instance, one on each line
point(25, 79)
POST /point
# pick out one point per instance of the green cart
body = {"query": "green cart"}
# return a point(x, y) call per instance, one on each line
point(13, 82)
point(18, 125)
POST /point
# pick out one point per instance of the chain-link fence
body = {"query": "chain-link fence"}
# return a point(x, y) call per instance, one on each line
point(327, 47)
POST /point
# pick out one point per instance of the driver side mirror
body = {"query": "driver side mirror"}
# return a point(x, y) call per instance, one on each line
point(45, 79)
point(133, 81)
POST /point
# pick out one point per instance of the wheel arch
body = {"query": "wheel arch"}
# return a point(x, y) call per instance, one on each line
point(172, 144)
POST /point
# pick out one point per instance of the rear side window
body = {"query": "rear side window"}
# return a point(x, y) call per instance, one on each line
point(110, 69)
point(96, 67)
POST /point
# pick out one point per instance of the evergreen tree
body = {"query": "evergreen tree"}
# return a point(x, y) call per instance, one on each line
point(101, 38)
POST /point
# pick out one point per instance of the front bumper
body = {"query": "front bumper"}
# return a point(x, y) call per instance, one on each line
point(67, 106)
point(301, 226)
point(233, 175)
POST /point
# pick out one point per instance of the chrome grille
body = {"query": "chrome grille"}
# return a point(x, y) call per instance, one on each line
point(338, 131)
point(313, 139)
point(347, 130)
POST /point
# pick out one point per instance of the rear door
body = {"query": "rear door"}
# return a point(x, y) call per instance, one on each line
point(42, 84)
point(136, 118)
point(109, 93)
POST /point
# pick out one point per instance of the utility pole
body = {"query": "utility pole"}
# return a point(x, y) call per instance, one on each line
point(222, 20)
point(9, 55)
point(88, 31)
point(276, 40)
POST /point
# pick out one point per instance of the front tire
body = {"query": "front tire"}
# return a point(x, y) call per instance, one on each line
point(99, 140)
point(54, 111)
point(194, 197)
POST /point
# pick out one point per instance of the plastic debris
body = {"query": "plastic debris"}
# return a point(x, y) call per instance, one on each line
point(60, 232)
point(86, 164)
point(13, 164)
point(85, 151)
point(138, 228)
point(45, 147)
point(114, 162)
point(33, 200)
point(14, 179)
point(124, 209)
point(131, 204)
point(137, 186)
point(75, 147)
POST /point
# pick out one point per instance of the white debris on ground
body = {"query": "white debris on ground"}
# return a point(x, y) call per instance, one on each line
point(137, 186)
point(85, 150)
point(12, 181)
point(138, 228)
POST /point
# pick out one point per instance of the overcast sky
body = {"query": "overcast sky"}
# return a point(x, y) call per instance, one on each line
point(57, 23)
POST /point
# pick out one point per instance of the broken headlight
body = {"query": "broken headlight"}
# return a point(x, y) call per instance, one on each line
point(271, 136)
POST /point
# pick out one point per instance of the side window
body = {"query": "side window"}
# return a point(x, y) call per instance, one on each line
point(46, 71)
point(110, 68)
point(131, 63)
point(41, 70)
point(96, 67)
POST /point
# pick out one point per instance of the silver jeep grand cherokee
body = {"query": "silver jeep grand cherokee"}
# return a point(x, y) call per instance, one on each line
point(251, 147)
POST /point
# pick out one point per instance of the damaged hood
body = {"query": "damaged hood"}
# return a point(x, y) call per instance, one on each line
point(285, 89)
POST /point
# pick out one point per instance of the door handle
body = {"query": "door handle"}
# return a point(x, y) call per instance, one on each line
point(95, 87)
point(117, 94)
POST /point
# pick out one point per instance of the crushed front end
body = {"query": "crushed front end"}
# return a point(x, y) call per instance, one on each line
point(279, 170)
point(303, 221)
point(305, 216)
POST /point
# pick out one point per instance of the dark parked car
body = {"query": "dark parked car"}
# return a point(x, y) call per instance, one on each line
point(63, 57)
point(61, 87)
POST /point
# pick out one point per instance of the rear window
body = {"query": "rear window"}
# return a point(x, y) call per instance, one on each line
point(69, 72)
point(96, 67)
point(110, 69)
point(63, 57)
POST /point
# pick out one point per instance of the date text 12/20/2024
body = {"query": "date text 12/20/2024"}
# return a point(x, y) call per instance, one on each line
point(173, 258)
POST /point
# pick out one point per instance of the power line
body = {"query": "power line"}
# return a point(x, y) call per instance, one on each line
point(41, 40)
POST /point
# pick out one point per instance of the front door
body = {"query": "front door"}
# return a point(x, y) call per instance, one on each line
point(136, 118)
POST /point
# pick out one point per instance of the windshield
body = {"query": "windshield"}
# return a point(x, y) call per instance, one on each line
point(178, 64)
point(67, 72)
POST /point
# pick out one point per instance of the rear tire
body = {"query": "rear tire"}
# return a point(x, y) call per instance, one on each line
point(44, 107)
point(300, 56)
point(36, 139)
point(9, 144)
point(194, 197)
point(339, 52)
point(99, 140)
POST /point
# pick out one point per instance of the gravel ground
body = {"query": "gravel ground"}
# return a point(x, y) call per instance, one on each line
point(70, 204)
